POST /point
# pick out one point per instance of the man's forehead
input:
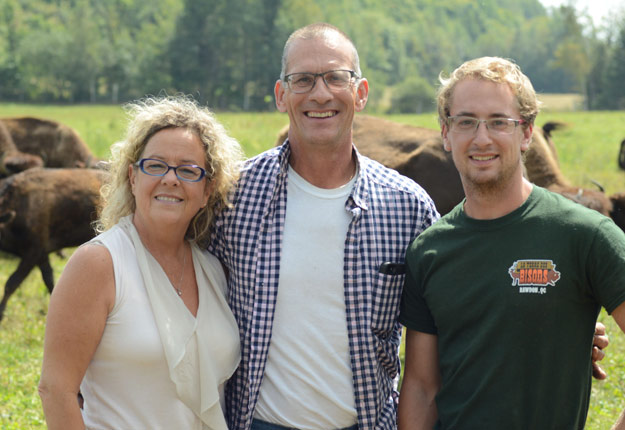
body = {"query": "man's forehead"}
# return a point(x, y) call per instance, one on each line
point(478, 95)
point(330, 38)
point(323, 51)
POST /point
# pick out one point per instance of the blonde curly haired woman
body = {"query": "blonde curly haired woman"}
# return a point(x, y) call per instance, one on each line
point(138, 322)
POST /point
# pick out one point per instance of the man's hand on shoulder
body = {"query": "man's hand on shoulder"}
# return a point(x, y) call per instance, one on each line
point(600, 342)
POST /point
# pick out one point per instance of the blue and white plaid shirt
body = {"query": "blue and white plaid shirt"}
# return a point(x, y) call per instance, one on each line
point(388, 212)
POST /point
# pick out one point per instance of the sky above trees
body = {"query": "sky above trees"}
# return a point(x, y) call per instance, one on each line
point(597, 9)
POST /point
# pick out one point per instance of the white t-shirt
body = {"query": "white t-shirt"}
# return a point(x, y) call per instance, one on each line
point(307, 382)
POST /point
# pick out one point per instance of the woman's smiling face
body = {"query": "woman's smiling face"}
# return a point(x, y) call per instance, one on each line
point(167, 200)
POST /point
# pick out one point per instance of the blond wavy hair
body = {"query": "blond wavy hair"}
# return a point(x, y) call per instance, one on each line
point(223, 157)
point(493, 69)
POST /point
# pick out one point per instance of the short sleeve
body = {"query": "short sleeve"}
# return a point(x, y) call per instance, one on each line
point(414, 312)
point(606, 265)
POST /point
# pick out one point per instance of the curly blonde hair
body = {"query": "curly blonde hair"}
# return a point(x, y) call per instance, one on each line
point(493, 69)
point(223, 157)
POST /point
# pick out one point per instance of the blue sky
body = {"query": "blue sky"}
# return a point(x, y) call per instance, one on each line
point(596, 8)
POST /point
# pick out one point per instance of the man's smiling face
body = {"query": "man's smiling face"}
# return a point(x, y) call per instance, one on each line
point(485, 159)
point(321, 116)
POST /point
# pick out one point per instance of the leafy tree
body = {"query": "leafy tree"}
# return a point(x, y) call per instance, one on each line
point(570, 57)
point(227, 52)
point(222, 52)
point(596, 76)
point(414, 95)
point(612, 94)
point(10, 12)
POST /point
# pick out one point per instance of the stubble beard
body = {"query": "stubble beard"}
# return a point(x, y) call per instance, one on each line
point(492, 186)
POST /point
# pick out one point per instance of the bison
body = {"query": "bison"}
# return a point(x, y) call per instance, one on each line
point(542, 168)
point(418, 153)
point(57, 144)
point(11, 159)
point(618, 209)
point(618, 199)
point(45, 210)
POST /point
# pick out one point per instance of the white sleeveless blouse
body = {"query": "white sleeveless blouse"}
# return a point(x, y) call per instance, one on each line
point(157, 366)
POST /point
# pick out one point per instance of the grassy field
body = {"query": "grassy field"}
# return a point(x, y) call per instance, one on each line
point(561, 102)
point(588, 148)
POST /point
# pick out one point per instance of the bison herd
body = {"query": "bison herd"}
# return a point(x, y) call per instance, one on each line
point(48, 194)
point(49, 188)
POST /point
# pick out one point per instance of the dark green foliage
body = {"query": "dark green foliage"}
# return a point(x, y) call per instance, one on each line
point(414, 95)
point(227, 53)
point(610, 88)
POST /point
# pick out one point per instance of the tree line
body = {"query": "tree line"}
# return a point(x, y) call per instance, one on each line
point(227, 52)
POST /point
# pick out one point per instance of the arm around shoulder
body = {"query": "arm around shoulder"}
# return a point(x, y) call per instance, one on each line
point(619, 316)
point(421, 383)
point(77, 314)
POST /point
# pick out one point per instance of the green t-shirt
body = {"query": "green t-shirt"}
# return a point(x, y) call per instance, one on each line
point(514, 303)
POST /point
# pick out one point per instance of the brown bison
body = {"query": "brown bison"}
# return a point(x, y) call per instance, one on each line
point(618, 199)
point(11, 159)
point(418, 153)
point(543, 169)
point(621, 155)
point(57, 144)
point(43, 211)
point(618, 209)
point(414, 152)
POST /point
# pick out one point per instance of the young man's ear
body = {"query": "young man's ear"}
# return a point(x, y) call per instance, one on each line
point(527, 137)
point(444, 132)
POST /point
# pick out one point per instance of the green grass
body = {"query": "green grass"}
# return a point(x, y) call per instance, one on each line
point(561, 102)
point(21, 348)
point(588, 149)
point(100, 126)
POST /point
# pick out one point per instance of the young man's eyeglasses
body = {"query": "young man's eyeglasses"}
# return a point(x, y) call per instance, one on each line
point(300, 83)
point(469, 124)
point(184, 172)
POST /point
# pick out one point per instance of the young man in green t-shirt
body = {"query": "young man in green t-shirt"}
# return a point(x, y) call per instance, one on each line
point(502, 294)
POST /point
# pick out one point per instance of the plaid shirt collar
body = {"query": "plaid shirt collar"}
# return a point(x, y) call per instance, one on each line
point(358, 196)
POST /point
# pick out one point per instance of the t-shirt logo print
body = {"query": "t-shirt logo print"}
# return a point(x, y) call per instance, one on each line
point(536, 273)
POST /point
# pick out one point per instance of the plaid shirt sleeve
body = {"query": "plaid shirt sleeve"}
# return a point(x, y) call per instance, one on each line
point(388, 212)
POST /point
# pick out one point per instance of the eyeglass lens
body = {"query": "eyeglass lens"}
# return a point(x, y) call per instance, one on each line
point(467, 124)
point(185, 172)
point(334, 80)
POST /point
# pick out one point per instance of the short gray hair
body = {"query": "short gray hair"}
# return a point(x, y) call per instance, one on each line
point(314, 31)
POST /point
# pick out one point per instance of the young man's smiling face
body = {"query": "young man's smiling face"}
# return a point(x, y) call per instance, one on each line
point(486, 160)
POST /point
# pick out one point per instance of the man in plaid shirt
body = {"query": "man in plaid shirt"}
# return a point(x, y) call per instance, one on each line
point(315, 279)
